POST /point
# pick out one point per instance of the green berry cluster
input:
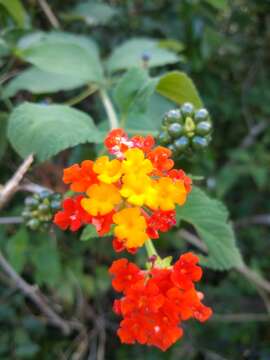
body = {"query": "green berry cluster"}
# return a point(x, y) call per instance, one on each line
point(40, 208)
point(185, 130)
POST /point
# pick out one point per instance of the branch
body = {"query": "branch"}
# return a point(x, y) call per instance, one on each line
point(231, 318)
point(33, 188)
point(11, 186)
point(32, 293)
point(82, 96)
point(49, 14)
point(262, 219)
point(193, 240)
point(255, 131)
point(109, 109)
point(11, 220)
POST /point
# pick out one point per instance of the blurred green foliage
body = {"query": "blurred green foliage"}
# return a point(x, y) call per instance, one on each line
point(223, 46)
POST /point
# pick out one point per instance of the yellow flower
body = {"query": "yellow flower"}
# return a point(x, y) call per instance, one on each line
point(165, 194)
point(130, 227)
point(134, 188)
point(102, 199)
point(108, 171)
point(135, 162)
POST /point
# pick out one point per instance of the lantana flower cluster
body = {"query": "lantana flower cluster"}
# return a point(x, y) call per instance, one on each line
point(137, 191)
point(132, 193)
point(155, 302)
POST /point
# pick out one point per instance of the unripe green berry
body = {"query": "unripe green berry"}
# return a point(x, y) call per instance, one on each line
point(33, 224)
point(187, 109)
point(44, 194)
point(203, 128)
point(43, 208)
point(175, 130)
point(56, 197)
point(34, 213)
point(30, 201)
point(201, 115)
point(45, 218)
point(181, 144)
point(164, 138)
point(55, 205)
point(26, 214)
point(172, 148)
point(199, 142)
point(172, 116)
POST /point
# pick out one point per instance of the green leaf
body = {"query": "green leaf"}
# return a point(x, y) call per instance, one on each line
point(172, 44)
point(133, 91)
point(178, 87)
point(4, 48)
point(64, 54)
point(88, 233)
point(38, 81)
point(148, 122)
point(3, 136)
point(210, 219)
point(17, 249)
point(45, 130)
point(16, 10)
point(130, 53)
point(93, 13)
point(219, 4)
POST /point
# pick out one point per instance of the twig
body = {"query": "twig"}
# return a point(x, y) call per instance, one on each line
point(254, 277)
point(242, 269)
point(102, 339)
point(109, 109)
point(83, 95)
point(253, 133)
point(262, 219)
point(33, 188)
point(32, 293)
point(193, 240)
point(11, 220)
point(231, 318)
point(11, 186)
point(49, 14)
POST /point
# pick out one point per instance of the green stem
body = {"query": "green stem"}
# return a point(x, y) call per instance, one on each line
point(150, 248)
point(109, 109)
point(80, 97)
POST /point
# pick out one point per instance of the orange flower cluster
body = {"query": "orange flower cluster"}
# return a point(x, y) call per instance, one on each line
point(134, 195)
point(156, 301)
point(136, 192)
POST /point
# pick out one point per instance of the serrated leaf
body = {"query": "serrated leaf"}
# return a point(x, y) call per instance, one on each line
point(131, 52)
point(133, 91)
point(148, 122)
point(17, 249)
point(16, 10)
point(38, 81)
point(63, 54)
point(45, 130)
point(210, 219)
point(178, 87)
point(93, 13)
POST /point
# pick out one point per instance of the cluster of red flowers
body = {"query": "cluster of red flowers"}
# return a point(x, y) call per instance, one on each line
point(156, 301)
point(136, 193)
